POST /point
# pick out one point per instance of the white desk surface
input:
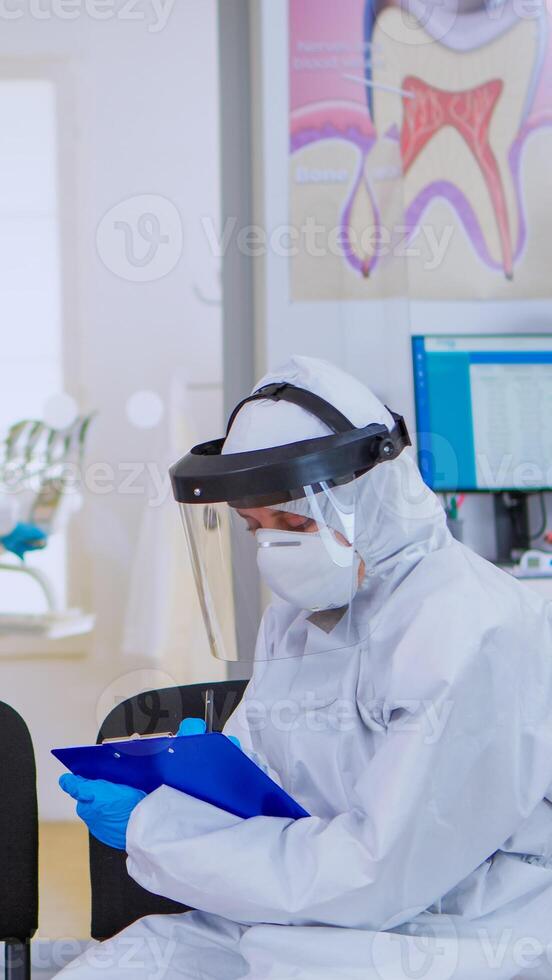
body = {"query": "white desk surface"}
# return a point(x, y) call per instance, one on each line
point(541, 583)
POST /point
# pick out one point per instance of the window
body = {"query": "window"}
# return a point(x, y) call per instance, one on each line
point(30, 289)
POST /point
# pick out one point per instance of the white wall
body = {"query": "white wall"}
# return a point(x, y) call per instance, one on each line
point(139, 114)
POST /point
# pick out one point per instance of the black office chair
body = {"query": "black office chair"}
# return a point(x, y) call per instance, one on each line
point(117, 901)
point(18, 844)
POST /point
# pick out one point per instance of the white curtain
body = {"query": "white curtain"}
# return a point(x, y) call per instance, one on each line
point(163, 622)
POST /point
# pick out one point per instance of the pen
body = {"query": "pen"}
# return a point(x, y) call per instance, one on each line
point(209, 709)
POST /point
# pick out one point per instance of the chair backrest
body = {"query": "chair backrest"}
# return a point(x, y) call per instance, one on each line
point(117, 901)
point(18, 829)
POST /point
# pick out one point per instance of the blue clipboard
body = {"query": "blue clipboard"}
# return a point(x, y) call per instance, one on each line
point(209, 767)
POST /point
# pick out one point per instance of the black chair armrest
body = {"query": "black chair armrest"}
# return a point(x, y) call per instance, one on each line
point(18, 830)
point(117, 900)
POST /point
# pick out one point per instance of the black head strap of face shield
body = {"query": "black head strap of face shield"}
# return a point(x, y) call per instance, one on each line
point(260, 477)
point(307, 400)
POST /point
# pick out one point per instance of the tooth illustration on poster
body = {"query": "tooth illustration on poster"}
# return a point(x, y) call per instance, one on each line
point(424, 131)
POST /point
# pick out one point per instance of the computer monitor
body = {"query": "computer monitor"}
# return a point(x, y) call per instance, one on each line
point(484, 411)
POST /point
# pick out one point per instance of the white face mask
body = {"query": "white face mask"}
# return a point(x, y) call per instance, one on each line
point(299, 568)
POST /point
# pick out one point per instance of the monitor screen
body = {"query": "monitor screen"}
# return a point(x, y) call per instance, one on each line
point(484, 411)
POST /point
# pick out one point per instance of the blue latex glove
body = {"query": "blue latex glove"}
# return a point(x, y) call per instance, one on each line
point(24, 537)
point(196, 726)
point(104, 807)
point(192, 726)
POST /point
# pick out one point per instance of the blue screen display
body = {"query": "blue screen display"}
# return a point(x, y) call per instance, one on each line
point(484, 411)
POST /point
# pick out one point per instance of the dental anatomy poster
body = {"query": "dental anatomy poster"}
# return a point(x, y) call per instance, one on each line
point(420, 149)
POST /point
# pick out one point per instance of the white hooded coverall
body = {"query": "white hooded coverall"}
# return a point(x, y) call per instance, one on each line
point(424, 755)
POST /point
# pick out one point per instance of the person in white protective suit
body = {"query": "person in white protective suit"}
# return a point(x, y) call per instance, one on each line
point(402, 694)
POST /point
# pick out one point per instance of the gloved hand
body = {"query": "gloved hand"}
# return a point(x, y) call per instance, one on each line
point(104, 807)
point(196, 726)
point(24, 537)
point(192, 726)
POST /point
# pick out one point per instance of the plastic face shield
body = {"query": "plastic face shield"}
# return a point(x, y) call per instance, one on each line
point(301, 554)
point(260, 532)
